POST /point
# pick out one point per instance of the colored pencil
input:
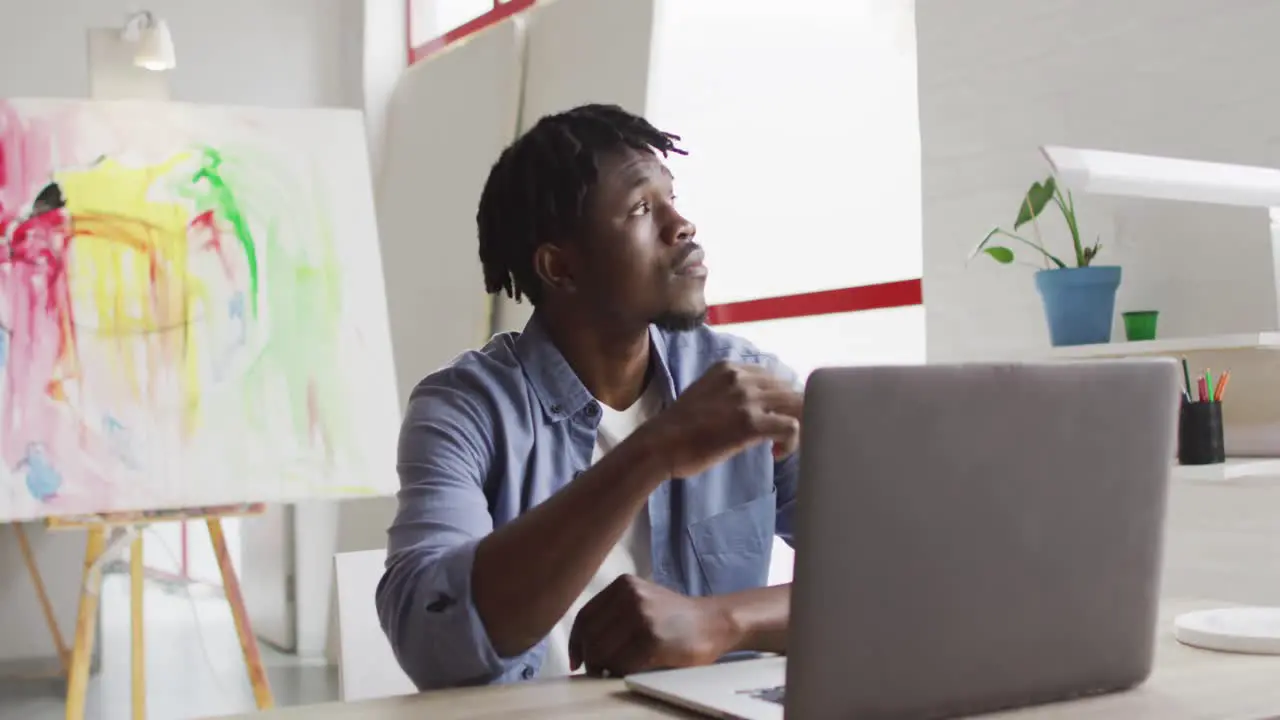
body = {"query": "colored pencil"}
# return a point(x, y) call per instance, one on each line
point(1219, 391)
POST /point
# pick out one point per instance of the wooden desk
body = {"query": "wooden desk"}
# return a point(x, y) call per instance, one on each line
point(1186, 683)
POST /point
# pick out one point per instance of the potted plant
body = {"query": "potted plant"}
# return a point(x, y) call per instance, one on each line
point(1079, 301)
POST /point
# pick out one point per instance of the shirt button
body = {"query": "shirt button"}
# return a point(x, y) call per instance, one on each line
point(527, 673)
point(593, 410)
point(556, 409)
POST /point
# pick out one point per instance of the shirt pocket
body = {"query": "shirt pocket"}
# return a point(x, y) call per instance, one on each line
point(733, 546)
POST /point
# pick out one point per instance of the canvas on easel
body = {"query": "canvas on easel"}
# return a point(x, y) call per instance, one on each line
point(192, 309)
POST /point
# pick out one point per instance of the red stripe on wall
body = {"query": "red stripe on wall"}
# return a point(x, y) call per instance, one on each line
point(903, 293)
point(499, 13)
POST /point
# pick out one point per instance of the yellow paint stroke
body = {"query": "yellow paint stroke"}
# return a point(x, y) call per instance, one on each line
point(131, 282)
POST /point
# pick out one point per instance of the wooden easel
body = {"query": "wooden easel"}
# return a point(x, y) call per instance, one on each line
point(75, 662)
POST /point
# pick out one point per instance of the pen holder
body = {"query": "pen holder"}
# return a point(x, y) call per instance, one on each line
point(1200, 434)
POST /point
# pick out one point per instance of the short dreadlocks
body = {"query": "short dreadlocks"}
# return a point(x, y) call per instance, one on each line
point(537, 190)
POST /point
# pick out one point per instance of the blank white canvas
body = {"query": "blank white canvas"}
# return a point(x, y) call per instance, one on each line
point(192, 306)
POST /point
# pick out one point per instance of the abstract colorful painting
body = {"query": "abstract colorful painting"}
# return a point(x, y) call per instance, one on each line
point(192, 309)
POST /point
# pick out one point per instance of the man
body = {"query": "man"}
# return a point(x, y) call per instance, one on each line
point(600, 491)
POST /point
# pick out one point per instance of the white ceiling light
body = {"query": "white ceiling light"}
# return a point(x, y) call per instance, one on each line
point(153, 42)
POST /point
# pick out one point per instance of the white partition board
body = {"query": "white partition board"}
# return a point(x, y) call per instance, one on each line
point(450, 118)
point(582, 51)
point(367, 667)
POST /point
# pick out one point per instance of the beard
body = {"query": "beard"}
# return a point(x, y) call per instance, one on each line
point(673, 321)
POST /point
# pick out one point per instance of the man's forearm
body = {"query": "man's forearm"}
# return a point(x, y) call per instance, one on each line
point(759, 618)
point(527, 573)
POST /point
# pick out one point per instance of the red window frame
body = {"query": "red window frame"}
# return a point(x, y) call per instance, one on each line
point(501, 11)
point(880, 296)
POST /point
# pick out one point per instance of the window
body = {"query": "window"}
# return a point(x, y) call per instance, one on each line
point(802, 125)
point(429, 19)
point(892, 336)
point(803, 130)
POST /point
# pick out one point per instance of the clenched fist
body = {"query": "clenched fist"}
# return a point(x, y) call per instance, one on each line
point(729, 409)
point(636, 625)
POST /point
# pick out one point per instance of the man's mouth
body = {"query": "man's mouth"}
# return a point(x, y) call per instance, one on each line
point(690, 262)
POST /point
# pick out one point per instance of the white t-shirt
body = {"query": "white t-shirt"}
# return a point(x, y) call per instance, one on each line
point(632, 555)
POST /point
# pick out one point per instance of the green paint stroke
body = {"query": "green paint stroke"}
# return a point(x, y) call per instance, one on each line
point(284, 230)
point(218, 197)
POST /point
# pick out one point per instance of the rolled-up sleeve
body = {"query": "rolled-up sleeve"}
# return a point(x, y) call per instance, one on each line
point(424, 598)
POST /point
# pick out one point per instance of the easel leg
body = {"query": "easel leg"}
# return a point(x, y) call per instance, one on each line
point(138, 650)
point(248, 643)
point(86, 620)
point(29, 559)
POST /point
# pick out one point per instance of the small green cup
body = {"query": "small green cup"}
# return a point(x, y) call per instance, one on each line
point(1140, 324)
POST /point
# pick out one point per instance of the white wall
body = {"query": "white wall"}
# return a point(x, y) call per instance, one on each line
point(293, 53)
point(384, 59)
point(279, 53)
point(1189, 78)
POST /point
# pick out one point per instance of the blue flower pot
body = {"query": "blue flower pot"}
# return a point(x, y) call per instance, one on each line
point(1079, 303)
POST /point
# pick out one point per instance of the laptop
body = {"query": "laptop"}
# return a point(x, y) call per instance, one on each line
point(970, 538)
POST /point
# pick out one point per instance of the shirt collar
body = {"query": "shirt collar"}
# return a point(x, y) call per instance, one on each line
point(555, 383)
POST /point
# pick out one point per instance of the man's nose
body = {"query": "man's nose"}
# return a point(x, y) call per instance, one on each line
point(680, 230)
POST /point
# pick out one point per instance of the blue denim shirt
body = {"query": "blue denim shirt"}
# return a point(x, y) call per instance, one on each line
point(503, 428)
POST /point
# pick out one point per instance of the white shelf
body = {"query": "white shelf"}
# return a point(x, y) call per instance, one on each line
point(1100, 172)
point(1232, 469)
point(1170, 346)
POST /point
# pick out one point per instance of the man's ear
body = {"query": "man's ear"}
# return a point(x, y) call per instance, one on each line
point(551, 263)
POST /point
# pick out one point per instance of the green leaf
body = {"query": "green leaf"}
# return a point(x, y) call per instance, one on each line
point(982, 247)
point(1000, 254)
point(977, 250)
point(1034, 201)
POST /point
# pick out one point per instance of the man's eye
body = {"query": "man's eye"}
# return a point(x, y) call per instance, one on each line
point(641, 208)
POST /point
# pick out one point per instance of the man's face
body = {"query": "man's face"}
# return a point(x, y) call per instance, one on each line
point(636, 258)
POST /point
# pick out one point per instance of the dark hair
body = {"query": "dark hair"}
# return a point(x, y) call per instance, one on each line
point(537, 190)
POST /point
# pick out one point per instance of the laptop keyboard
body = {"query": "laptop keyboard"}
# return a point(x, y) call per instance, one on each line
point(774, 694)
